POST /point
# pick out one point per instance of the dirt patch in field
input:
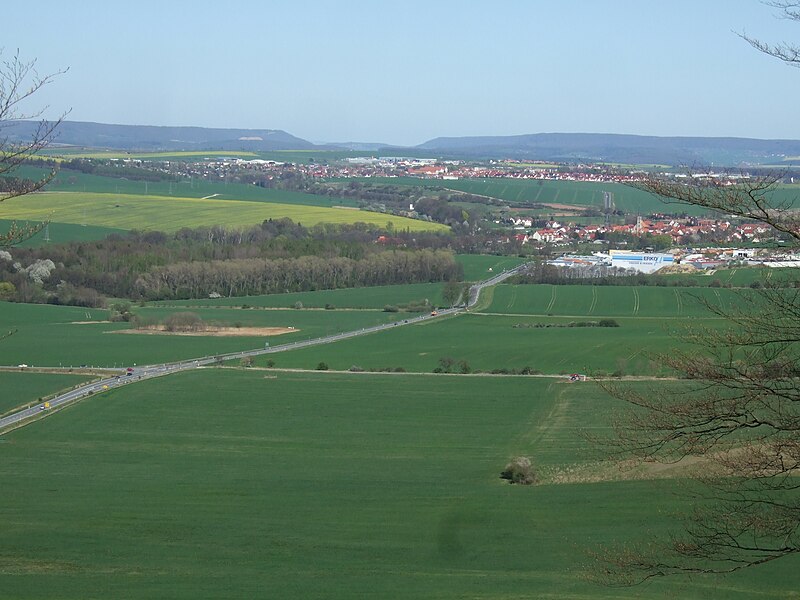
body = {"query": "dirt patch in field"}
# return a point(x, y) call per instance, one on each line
point(606, 471)
point(571, 207)
point(214, 331)
point(563, 210)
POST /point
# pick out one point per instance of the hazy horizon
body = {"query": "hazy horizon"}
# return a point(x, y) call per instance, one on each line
point(370, 72)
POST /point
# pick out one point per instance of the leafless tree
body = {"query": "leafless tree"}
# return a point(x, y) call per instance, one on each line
point(787, 52)
point(19, 81)
point(734, 419)
point(734, 423)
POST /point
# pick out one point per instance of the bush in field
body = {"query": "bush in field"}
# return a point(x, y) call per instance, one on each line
point(608, 323)
point(323, 366)
point(519, 471)
point(184, 321)
point(120, 312)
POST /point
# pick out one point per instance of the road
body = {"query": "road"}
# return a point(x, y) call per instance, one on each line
point(137, 374)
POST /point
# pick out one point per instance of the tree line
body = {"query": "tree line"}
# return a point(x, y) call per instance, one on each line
point(243, 277)
point(276, 256)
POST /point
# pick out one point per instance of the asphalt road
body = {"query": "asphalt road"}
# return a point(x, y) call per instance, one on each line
point(137, 374)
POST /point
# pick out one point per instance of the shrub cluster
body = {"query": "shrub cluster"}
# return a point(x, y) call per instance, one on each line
point(526, 370)
point(519, 471)
point(600, 323)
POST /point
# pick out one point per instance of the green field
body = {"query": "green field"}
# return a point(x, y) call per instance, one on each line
point(75, 181)
point(126, 211)
point(479, 267)
point(59, 233)
point(504, 337)
point(230, 484)
point(55, 335)
point(489, 342)
point(23, 387)
point(575, 193)
point(606, 301)
point(362, 298)
point(738, 276)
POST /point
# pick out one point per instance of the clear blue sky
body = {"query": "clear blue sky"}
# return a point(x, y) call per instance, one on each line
point(405, 72)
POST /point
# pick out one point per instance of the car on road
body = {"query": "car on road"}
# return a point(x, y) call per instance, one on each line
point(434, 313)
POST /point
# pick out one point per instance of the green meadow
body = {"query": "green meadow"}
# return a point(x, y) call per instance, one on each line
point(495, 342)
point(66, 336)
point(607, 301)
point(573, 193)
point(127, 211)
point(75, 181)
point(540, 191)
point(737, 276)
point(361, 298)
point(479, 267)
point(238, 484)
point(60, 233)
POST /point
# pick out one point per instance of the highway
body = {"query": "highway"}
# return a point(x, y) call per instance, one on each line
point(136, 374)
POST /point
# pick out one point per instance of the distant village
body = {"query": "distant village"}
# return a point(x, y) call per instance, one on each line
point(730, 242)
point(679, 231)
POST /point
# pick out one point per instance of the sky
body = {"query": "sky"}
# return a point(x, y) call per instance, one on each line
point(405, 72)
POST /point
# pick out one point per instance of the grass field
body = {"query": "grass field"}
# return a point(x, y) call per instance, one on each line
point(478, 267)
point(606, 301)
point(505, 337)
point(60, 233)
point(74, 181)
point(489, 342)
point(22, 387)
point(738, 276)
point(578, 193)
point(325, 486)
point(52, 336)
point(364, 298)
point(126, 211)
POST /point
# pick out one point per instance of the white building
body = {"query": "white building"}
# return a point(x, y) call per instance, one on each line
point(644, 262)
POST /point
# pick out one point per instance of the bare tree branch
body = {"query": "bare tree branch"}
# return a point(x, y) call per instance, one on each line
point(788, 53)
point(19, 81)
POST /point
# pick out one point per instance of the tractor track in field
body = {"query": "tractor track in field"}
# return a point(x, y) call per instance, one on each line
point(553, 295)
point(594, 300)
